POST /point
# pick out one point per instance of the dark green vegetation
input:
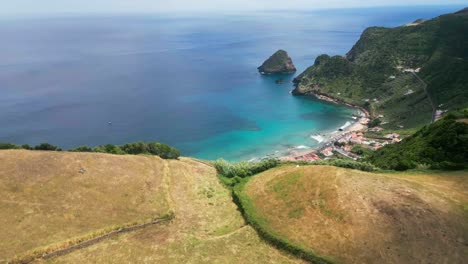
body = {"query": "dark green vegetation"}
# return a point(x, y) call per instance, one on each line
point(42, 146)
point(373, 74)
point(279, 62)
point(232, 173)
point(441, 145)
point(150, 148)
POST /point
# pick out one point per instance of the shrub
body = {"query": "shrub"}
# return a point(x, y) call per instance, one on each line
point(375, 122)
point(163, 150)
point(109, 148)
point(26, 146)
point(153, 148)
point(8, 146)
point(135, 148)
point(339, 144)
point(82, 149)
point(243, 169)
point(349, 164)
point(447, 165)
point(46, 146)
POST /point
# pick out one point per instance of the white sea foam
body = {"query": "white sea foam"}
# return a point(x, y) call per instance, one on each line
point(347, 124)
point(318, 138)
point(302, 147)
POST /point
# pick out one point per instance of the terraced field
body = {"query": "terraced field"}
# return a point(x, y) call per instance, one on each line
point(351, 216)
point(49, 198)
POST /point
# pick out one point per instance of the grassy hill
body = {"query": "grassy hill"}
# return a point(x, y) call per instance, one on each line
point(441, 145)
point(53, 200)
point(350, 216)
point(372, 72)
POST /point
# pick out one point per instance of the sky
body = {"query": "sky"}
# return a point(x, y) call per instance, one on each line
point(43, 7)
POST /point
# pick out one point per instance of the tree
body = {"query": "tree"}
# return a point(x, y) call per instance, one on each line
point(375, 122)
point(46, 146)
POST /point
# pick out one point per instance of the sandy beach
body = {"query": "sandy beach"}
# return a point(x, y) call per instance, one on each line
point(359, 125)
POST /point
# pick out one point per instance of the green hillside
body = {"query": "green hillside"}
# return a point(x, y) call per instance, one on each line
point(441, 145)
point(374, 73)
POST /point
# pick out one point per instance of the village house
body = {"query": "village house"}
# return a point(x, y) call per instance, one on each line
point(376, 129)
point(392, 136)
point(328, 152)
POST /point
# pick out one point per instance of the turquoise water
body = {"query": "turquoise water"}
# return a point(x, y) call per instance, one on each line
point(187, 81)
point(278, 122)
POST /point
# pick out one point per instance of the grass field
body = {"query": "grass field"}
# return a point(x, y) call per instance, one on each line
point(50, 197)
point(357, 217)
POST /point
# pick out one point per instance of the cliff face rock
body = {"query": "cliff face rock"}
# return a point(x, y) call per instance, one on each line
point(279, 62)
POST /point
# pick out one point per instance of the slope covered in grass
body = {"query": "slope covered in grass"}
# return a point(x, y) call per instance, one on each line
point(207, 228)
point(350, 216)
point(371, 74)
point(441, 145)
point(51, 197)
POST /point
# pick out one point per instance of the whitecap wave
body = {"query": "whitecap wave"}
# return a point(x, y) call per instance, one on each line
point(318, 138)
point(347, 124)
point(301, 147)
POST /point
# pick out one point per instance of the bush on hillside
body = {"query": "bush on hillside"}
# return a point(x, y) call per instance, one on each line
point(152, 148)
point(82, 149)
point(442, 145)
point(375, 122)
point(349, 164)
point(8, 146)
point(47, 146)
point(109, 148)
point(243, 169)
point(26, 146)
point(163, 150)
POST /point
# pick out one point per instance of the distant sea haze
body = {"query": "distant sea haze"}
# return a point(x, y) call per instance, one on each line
point(190, 82)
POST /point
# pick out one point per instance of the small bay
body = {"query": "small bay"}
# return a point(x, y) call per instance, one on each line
point(189, 81)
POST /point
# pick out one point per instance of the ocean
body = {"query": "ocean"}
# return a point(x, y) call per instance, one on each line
point(188, 80)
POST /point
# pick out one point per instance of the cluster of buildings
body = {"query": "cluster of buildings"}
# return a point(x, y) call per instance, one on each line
point(347, 141)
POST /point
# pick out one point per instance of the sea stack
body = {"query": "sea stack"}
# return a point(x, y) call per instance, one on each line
point(279, 62)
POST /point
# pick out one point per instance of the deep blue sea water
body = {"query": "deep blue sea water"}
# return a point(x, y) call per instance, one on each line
point(188, 81)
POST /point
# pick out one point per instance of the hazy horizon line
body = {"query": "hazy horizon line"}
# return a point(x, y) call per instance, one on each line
point(211, 11)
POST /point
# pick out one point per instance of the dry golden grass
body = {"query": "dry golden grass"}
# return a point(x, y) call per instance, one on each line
point(207, 229)
point(46, 200)
point(50, 197)
point(358, 217)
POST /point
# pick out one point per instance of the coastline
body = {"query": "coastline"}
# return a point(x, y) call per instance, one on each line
point(359, 125)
